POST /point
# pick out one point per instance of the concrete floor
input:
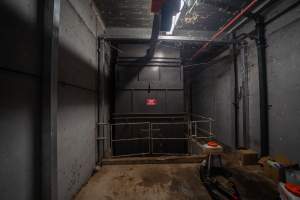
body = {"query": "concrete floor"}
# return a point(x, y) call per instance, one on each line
point(145, 182)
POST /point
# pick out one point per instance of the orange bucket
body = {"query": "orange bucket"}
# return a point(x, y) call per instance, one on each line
point(212, 144)
point(295, 189)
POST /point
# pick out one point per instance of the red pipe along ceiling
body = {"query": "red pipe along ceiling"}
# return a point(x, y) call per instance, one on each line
point(224, 27)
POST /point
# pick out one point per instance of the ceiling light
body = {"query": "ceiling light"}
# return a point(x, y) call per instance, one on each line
point(175, 18)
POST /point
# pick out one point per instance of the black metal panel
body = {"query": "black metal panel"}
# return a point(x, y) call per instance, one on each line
point(149, 74)
point(125, 74)
point(139, 50)
point(123, 101)
point(157, 76)
point(174, 101)
point(125, 131)
point(172, 130)
point(161, 80)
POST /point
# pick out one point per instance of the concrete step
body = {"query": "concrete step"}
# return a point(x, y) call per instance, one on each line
point(154, 160)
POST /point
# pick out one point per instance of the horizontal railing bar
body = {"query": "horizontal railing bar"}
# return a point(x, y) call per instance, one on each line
point(200, 121)
point(203, 137)
point(127, 155)
point(144, 130)
point(131, 139)
point(170, 138)
point(204, 131)
point(148, 114)
point(101, 123)
point(130, 123)
point(155, 129)
point(201, 116)
point(119, 118)
point(170, 154)
point(170, 123)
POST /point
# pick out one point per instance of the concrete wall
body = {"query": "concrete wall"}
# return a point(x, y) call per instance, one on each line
point(283, 84)
point(20, 67)
point(77, 95)
point(20, 103)
point(283, 47)
point(283, 63)
point(212, 96)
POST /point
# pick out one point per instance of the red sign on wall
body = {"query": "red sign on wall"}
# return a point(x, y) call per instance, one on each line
point(151, 102)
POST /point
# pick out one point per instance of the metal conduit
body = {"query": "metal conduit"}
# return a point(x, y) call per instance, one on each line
point(231, 22)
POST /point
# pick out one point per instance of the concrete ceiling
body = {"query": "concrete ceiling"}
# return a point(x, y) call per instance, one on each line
point(206, 15)
point(128, 19)
point(126, 13)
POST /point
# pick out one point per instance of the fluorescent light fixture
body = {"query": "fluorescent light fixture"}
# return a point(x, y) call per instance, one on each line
point(175, 18)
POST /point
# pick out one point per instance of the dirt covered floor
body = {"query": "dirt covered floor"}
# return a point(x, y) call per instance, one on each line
point(250, 180)
point(172, 182)
point(145, 182)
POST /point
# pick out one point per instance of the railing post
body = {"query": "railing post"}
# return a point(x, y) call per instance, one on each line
point(189, 138)
point(210, 127)
point(110, 137)
point(149, 135)
point(196, 129)
point(151, 141)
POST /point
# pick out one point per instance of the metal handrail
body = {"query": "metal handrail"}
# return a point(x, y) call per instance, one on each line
point(131, 139)
point(169, 138)
point(166, 123)
point(129, 123)
point(192, 132)
point(201, 116)
point(161, 138)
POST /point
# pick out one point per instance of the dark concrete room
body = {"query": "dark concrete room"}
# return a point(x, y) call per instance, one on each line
point(150, 100)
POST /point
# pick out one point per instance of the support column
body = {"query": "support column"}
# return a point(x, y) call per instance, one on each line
point(236, 91)
point(49, 100)
point(263, 89)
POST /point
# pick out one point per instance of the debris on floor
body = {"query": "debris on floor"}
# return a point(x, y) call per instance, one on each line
point(145, 182)
point(174, 181)
point(247, 157)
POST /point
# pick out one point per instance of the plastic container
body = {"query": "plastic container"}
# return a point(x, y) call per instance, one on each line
point(285, 194)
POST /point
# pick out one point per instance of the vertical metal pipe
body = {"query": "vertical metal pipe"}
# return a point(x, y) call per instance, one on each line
point(189, 138)
point(149, 138)
point(49, 92)
point(245, 95)
point(210, 128)
point(98, 160)
point(111, 139)
point(263, 93)
point(102, 89)
point(236, 91)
